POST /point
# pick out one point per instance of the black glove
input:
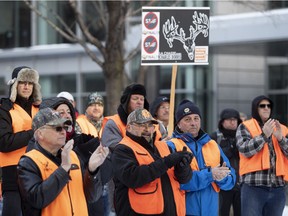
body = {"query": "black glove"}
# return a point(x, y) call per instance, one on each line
point(86, 144)
point(174, 158)
point(86, 137)
point(187, 158)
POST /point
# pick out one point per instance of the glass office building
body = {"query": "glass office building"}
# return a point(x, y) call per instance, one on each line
point(247, 56)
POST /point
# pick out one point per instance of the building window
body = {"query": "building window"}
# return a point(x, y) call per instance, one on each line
point(93, 82)
point(277, 4)
point(15, 24)
point(52, 85)
point(51, 9)
point(278, 77)
point(278, 91)
point(3, 87)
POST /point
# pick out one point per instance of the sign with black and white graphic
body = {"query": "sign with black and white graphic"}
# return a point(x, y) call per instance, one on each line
point(175, 35)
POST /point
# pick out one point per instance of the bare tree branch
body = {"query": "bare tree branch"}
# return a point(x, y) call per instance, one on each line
point(71, 38)
point(85, 30)
point(133, 53)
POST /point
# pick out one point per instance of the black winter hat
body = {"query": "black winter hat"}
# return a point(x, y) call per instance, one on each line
point(133, 88)
point(229, 113)
point(17, 70)
point(255, 104)
point(186, 107)
point(156, 104)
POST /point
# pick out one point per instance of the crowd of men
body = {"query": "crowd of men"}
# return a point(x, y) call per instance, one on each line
point(55, 160)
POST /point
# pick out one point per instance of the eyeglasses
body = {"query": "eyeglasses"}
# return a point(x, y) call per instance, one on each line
point(148, 125)
point(25, 83)
point(59, 128)
point(264, 106)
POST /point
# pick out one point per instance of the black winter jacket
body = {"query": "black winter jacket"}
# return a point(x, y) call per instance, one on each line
point(10, 141)
point(84, 145)
point(36, 193)
point(123, 158)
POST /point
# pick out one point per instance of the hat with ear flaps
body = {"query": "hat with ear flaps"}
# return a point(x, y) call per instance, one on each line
point(131, 89)
point(25, 74)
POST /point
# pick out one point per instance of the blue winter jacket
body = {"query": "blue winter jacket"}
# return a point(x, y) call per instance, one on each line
point(201, 198)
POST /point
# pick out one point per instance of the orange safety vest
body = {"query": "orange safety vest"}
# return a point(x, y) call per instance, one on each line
point(116, 118)
point(148, 199)
point(122, 127)
point(210, 152)
point(86, 126)
point(71, 200)
point(21, 121)
point(261, 160)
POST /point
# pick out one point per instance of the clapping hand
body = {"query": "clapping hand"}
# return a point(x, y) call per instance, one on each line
point(220, 172)
point(181, 157)
point(65, 155)
point(186, 160)
point(268, 127)
point(98, 157)
point(278, 131)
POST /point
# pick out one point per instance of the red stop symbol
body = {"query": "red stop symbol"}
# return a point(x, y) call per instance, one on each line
point(150, 44)
point(150, 20)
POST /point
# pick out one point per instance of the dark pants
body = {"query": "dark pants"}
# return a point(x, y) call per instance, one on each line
point(264, 201)
point(101, 206)
point(228, 199)
point(11, 204)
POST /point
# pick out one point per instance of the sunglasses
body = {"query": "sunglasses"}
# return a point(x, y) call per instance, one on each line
point(264, 105)
point(59, 128)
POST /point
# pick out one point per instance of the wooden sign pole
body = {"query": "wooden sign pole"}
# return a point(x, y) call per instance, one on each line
point(172, 101)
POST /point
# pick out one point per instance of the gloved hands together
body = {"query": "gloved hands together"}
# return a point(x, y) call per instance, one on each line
point(187, 158)
point(182, 158)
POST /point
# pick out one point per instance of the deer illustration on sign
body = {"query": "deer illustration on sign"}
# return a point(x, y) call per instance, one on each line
point(170, 32)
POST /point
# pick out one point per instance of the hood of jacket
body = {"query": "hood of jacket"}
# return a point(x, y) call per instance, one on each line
point(255, 103)
point(54, 102)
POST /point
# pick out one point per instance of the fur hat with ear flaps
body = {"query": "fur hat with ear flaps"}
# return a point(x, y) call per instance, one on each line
point(25, 74)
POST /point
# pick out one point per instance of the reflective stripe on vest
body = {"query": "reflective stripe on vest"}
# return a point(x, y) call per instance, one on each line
point(86, 126)
point(148, 199)
point(210, 152)
point(21, 121)
point(261, 160)
point(71, 200)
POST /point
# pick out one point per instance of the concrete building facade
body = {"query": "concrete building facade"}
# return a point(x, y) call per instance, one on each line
point(247, 57)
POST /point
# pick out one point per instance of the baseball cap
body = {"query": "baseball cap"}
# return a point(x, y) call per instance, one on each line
point(140, 116)
point(48, 116)
point(66, 95)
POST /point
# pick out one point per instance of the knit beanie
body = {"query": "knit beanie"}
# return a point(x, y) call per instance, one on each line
point(186, 107)
point(156, 104)
point(95, 98)
point(227, 114)
point(133, 88)
point(25, 74)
